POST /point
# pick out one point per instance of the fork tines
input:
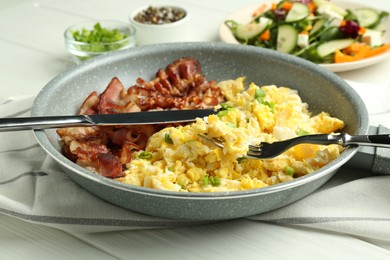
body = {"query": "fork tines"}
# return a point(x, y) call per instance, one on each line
point(255, 148)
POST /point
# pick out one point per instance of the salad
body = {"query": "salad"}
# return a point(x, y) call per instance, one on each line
point(316, 30)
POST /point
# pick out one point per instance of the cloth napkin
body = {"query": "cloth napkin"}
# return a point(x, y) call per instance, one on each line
point(33, 188)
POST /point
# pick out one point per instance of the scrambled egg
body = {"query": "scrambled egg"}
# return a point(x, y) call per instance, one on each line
point(177, 159)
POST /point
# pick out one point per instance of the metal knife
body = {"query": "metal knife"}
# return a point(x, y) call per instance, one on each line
point(134, 118)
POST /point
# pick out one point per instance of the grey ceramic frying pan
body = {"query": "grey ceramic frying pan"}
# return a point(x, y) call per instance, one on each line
point(321, 89)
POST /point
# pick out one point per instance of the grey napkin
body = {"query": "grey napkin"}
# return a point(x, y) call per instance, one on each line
point(33, 188)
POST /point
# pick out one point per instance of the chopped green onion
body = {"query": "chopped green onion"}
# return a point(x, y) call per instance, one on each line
point(205, 180)
point(241, 159)
point(168, 139)
point(302, 132)
point(271, 105)
point(225, 106)
point(289, 170)
point(222, 113)
point(99, 37)
point(259, 95)
point(215, 180)
point(145, 155)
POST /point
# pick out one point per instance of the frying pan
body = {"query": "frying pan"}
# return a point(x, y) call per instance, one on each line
point(321, 89)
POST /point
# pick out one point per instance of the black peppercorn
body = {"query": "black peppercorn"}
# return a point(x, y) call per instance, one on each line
point(159, 15)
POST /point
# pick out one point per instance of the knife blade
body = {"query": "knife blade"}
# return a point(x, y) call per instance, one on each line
point(134, 118)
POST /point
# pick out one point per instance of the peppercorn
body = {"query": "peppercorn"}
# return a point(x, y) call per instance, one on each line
point(159, 15)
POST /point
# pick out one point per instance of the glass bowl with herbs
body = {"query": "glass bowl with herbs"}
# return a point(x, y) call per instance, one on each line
point(92, 38)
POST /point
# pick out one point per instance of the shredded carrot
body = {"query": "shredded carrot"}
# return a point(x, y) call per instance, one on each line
point(362, 30)
point(378, 50)
point(362, 53)
point(354, 48)
point(265, 36)
point(340, 57)
point(343, 23)
point(287, 5)
point(358, 51)
point(312, 7)
point(261, 9)
point(274, 6)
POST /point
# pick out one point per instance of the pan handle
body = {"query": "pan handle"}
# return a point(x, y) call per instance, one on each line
point(374, 159)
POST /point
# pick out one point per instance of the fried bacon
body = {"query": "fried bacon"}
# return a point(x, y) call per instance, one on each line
point(106, 150)
point(115, 99)
point(181, 86)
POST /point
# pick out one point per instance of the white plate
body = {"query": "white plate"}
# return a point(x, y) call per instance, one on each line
point(244, 15)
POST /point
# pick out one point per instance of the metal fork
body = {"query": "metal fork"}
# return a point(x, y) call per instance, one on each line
point(270, 150)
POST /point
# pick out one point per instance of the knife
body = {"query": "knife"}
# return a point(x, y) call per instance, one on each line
point(134, 118)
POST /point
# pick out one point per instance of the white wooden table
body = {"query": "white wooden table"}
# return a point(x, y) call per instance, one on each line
point(32, 53)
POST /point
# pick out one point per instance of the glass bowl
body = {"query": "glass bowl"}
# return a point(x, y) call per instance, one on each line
point(92, 43)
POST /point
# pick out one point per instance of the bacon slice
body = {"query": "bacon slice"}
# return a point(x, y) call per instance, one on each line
point(90, 105)
point(115, 100)
point(106, 150)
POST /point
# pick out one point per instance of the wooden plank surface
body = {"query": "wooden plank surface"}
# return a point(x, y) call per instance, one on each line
point(22, 240)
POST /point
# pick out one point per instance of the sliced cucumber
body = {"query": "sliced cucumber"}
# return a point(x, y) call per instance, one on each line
point(287, 38)
point(252, 30)
point(332, 7)
point(280, 4)
point(367, 17)
point(297, 12)
point(327, 48)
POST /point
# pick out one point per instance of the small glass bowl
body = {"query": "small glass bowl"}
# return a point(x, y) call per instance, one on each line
point(177, 31)
point(81, 51)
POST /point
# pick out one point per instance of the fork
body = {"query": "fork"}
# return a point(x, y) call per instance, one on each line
point(270, 150)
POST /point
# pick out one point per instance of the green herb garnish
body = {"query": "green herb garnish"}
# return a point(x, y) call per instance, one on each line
point(225, 108)
point(222, 113)
point(145, 155)
point(205, 180)
point(289, 170)
point(100, 38)
point(302, 132)
point(213, 180)
point(168, 139)
point(259, 95)
point(241, 159)
point(271, 105)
